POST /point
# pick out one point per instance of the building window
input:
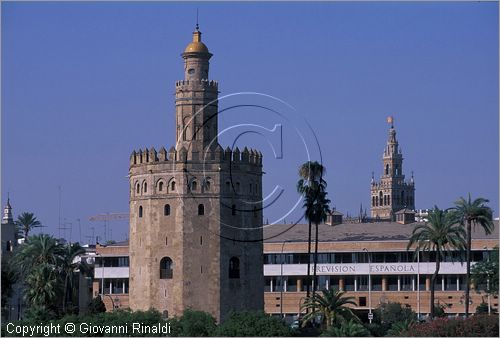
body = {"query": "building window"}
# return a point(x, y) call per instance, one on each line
point(145, 187)
point(194, 186)
point(362, 301)
point(207, 185)
point(387, 169)
point(166, 210)
point(137, 188)
point(233, 209)
point(140, 211)
point(166, 268)
point(166, 240)
point(228, 186)
point(8, 246)
point(160, 186)
point(201, 209)
point(234, 268)
point(172, 186)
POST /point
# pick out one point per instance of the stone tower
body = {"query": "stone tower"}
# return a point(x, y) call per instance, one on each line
point(9, 241)
point(196, 210)
point(392, 193)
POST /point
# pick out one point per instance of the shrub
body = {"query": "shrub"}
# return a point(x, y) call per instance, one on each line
point(475, 326)
point(252, 323)
point(196, 324)
point(347, 329)
point(386, 315)
point(96, 305)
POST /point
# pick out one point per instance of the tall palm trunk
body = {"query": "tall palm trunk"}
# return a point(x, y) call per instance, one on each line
point(433, 282)
point(308, 279)
point(467, 278)
point(65, 294)
point(315, 278)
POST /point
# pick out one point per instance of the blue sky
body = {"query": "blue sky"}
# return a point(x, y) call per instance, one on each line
point(84, 84)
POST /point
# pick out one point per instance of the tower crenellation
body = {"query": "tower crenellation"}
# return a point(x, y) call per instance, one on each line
point(188, 206)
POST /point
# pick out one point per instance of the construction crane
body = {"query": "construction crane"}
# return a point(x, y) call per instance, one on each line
point(108, 217)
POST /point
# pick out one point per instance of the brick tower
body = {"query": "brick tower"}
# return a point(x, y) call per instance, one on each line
point(196, 210)
point(392, 193)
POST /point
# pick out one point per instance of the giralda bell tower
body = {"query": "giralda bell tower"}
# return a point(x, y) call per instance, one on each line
point(196, 210)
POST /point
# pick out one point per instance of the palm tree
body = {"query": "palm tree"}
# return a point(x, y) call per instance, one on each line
point(312, 187)
point(42, 286)
point(68, 265)
point(331, 305)
point(350, 328)
point(27, 222)
point(41, 249)
point(473, 213)
point(440, 234)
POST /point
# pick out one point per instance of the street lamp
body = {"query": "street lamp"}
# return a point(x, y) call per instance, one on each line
point(488, 281)
point(370, 314)
point(281, 279)
point(418, 283)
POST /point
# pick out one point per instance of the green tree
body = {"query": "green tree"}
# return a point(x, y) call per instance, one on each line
point(42, 286)
point(439, 234)
point(472, 213)
point(398, 328)
point(312, 187)
point(349, 328)
point(40, 249)
point(196, 324)
point(331, 305)
point(69, 263)
point(486, 273)
point(27, 222)
point(96, 305)
point(8, 279)
point(252, 323)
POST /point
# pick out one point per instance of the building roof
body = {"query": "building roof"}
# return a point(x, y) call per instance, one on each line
point(377, 231)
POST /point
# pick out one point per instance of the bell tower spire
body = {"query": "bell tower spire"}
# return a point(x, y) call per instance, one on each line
point(392, 193)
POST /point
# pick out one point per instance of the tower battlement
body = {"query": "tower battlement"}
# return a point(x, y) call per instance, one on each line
point(151, 156)
point(203, 83)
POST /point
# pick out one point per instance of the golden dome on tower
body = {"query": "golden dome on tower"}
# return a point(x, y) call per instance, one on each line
point(196, 46)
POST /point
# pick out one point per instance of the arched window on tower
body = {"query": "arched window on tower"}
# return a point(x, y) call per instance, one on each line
point(145, 187)
point(376, 201)
point(387, 169)
point(234, 268)
point(166, 268)
point(201, 209)
point(228, 186)
point(137, 188)
point(396, 169)
point(194, 186)
point(140, 211)
point(166, 210)
point(380, 198)
point(233, 209)
point(172, 186)
point(160, 186)
point(373, 201)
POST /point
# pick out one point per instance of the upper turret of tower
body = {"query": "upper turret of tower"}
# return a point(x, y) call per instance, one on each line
point(391, 149)
point(7, 213)
point(196, 56)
